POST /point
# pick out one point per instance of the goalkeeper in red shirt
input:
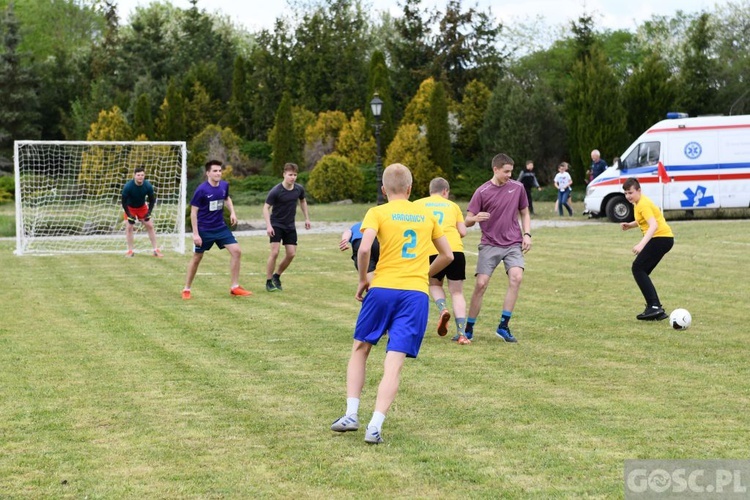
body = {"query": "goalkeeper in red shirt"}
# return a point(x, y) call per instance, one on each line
point(134, 196)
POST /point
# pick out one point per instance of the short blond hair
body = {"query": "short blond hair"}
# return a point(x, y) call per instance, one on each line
point(397, 179)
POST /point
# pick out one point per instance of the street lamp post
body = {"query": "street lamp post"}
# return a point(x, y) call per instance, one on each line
point(376, 105)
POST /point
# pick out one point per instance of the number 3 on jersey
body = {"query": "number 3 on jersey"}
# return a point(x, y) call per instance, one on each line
point(411, 244)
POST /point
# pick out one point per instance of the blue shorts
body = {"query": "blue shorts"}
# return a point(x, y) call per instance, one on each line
point(221, 237)
point(401, 313)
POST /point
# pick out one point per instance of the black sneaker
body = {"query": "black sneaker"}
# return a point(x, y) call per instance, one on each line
point(270, 287)
point(652, 313)
point(276, 282)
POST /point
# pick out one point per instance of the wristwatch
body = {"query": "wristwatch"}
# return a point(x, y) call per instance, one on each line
point(527, 234)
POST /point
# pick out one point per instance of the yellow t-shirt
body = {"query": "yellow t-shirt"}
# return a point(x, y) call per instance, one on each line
point(405, 232)
point(644, 210)
point(448, 215)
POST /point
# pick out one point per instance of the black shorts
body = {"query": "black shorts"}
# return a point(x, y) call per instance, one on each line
point(455, 271)
point(286, 236)
point(374, 254)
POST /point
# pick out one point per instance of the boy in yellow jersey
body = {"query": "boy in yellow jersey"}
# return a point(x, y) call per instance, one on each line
point(451, 219)
point(656, 242)
point(397, 300)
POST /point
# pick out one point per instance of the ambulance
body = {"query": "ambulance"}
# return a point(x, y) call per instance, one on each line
point(682, 164)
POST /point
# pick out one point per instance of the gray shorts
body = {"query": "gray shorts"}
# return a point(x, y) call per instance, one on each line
point(490, 257)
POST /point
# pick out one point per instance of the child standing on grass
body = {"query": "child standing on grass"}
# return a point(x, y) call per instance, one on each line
point(280, 225)
point(563, 181)
point(656, 242)
point(451, 219)
point(397, 301)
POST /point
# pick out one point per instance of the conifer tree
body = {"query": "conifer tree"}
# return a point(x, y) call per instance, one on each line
point(143, 122)
point(438, 133)
point(18, 98)
point(284, 149)
point(699, 70)
point(170, 125)
point(648, 95)
point(471, 117)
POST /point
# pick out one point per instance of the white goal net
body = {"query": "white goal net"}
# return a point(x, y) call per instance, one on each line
point(68, 195)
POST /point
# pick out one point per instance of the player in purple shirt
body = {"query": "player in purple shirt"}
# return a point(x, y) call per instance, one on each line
point(496, 205)
point(207, 219)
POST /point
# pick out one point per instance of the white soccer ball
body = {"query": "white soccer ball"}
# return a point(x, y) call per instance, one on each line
point(680, 319)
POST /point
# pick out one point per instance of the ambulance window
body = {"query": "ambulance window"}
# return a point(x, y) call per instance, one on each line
point(648, 154)
point(645, 155)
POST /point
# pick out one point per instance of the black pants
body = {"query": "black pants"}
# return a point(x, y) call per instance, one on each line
point(645, 262)
point(531, 202)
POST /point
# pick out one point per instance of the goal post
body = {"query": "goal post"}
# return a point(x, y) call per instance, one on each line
point(69, 193)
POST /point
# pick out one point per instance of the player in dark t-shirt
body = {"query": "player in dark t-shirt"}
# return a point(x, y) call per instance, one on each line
point(280, 225)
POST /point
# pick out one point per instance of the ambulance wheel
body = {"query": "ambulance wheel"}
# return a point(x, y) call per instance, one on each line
point(619, 209)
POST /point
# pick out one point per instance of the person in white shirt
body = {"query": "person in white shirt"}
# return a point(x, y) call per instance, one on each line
point(563, 181)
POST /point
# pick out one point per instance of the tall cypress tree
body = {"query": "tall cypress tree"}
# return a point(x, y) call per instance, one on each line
point(143, 122)
point(283, 140)
point(596, 117)
point(18, 98)
point(171, 122)
point(648, 95)
point(698, 72)
point(238, 103)
point(438, 133)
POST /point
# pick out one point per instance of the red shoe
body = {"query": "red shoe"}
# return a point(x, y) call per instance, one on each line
point(442, 327)
point(462, 340)
point(157, 253)
point(129, 253)
point(238, 291)
point(186, 295)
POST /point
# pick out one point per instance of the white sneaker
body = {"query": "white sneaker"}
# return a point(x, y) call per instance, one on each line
point(346, 423)
point(372, 435)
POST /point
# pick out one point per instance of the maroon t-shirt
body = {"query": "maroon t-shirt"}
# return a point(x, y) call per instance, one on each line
point(503, 203)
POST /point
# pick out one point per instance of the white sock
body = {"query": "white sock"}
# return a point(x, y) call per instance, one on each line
point(377, 420)
point(352, 406)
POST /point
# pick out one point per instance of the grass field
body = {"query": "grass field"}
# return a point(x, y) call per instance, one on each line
point(112, 386)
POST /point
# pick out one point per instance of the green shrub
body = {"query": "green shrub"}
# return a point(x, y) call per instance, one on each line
point(7, 226)
point(259, 150)
point(369, 193)
point(468, 180)
point(262, 183)
point(335, 178)
point(7, 188)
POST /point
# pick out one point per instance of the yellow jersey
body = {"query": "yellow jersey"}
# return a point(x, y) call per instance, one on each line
point(405, 232)
point(448, 215)
point(644, 210)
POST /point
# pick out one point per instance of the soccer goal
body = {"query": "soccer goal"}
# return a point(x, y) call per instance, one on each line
point(68, 195)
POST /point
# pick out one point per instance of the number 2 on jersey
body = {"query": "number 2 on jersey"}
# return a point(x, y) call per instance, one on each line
point(410, 244)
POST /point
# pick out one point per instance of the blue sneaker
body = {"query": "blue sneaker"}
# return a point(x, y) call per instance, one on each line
point(372, 436)
point(455, 338)
point(469, 335)
point(346, 423)
point(504, 333)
